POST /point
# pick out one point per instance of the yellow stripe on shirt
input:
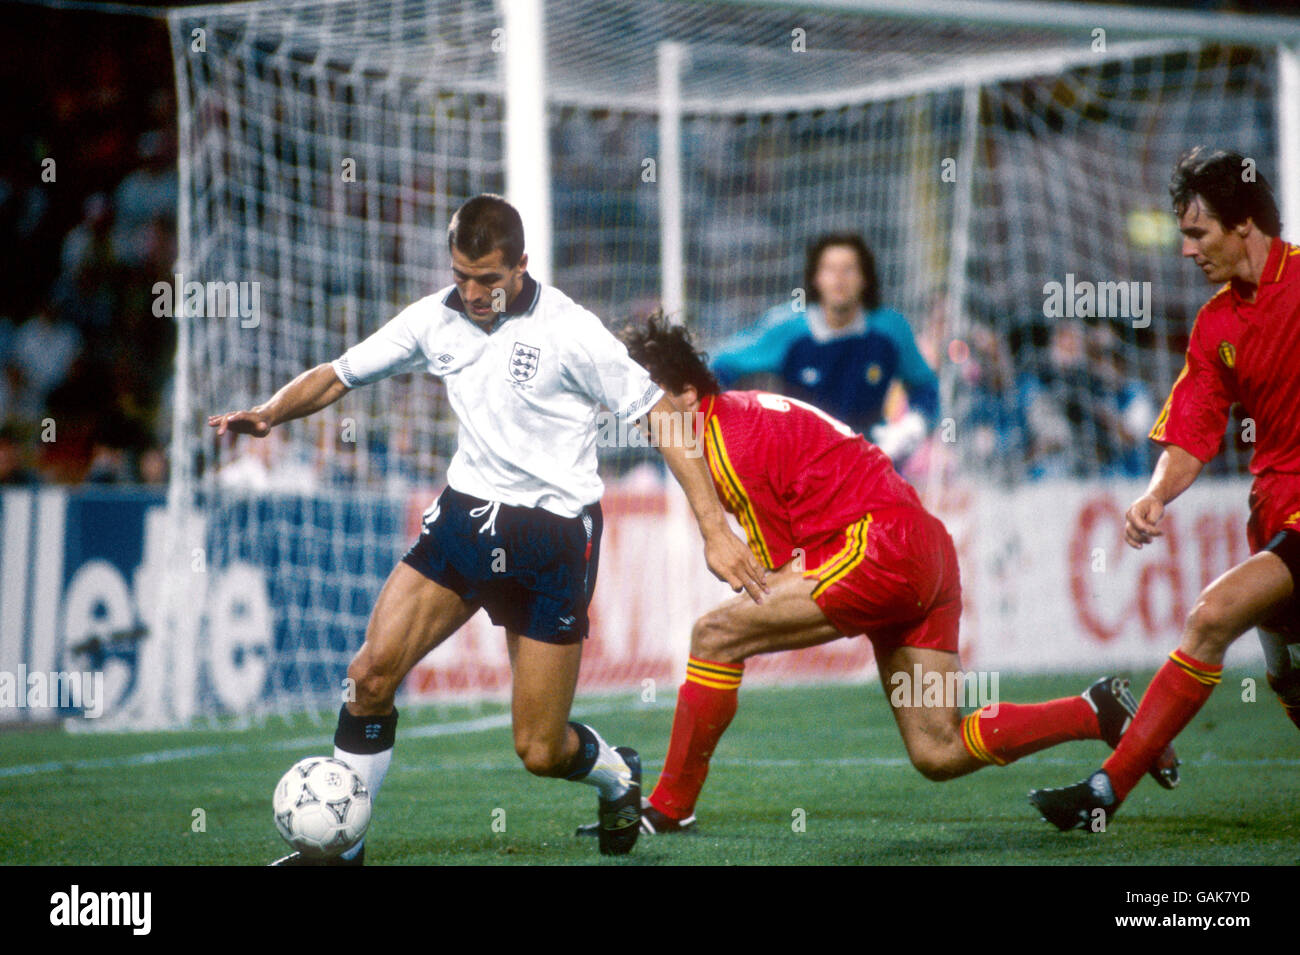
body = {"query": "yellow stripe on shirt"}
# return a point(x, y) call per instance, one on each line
point(734, 491)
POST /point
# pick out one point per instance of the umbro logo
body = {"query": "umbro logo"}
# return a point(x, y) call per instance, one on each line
point(445, 359)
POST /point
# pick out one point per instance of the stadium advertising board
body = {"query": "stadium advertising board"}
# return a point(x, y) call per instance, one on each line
point(1048, 585)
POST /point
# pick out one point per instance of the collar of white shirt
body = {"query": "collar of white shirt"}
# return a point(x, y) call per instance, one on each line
point(522, 304)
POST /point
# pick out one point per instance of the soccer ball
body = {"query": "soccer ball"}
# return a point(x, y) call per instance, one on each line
point(322, 807)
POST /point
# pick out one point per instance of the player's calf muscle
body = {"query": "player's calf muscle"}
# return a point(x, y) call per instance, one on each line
point(374, 689)
point(932, 738)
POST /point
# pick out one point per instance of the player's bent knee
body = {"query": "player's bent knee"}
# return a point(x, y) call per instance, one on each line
point(541, 758)
point(940, 760)
point(935, 767)
point(712, 638)
point(1210, 621)
point(937, 753)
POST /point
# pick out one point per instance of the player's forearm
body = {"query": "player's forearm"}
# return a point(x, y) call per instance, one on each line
point(311, 391)
point(1174, 474)
point(692, 473)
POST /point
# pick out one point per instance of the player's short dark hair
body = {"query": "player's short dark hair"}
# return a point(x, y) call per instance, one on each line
point(668, 353)
point(866, 263)
point(483, 225)
point(1218, 178)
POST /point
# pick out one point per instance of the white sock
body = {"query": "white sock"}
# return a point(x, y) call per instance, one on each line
point(610, 774)
point(372, 767)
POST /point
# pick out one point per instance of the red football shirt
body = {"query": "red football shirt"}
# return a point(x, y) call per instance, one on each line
point(1247, 352)
point(792, 474)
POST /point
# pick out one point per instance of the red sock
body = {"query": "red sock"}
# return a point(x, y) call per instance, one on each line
point(1016, 730)
point(706, 703)
point(1179, 690)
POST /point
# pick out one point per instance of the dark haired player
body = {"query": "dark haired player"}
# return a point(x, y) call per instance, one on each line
point(1245, 346)
point(858, 554)
point(842, 349)
point(525, 368)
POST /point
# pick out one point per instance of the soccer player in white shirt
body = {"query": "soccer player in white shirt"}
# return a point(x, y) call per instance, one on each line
point(525, 368)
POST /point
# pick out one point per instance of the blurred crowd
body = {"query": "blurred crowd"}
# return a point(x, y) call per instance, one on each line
point(88, 197)
point(87, 226)
point(1069, 407)
point(1068, 399)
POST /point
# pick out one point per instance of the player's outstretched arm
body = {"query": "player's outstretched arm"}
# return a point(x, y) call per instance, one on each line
point(726, 554)
point(311, 391)
point(1174, 474)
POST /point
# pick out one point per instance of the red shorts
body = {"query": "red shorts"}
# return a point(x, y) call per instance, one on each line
point(1274, 507)
point(892, 576)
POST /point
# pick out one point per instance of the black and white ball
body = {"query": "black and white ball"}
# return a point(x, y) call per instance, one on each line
point(322, 807)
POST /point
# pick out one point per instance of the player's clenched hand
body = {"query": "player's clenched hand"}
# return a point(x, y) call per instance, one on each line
point(240, 422)
point(1141, 520)
point(730, 560)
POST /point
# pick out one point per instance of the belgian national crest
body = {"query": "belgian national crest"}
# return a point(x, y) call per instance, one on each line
point(523, 361)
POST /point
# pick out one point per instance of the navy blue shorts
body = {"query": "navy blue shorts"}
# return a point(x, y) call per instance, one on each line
point(533, 571)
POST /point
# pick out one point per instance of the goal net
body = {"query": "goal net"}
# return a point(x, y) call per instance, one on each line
point(690, 150)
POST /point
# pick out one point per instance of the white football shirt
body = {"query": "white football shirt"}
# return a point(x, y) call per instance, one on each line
point(526, 394)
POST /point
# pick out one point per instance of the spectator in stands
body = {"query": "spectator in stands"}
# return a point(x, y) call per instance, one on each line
point(15, 457)
point(145, 196)
point(1054, 393)
point(1074, 406)
point(269, 464)
point(988, 405)
point(44, 350)
point(1125, 406)
point(152, 466)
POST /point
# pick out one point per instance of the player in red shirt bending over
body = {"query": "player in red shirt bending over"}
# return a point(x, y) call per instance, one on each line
point(1245, 347)
point(858, 554)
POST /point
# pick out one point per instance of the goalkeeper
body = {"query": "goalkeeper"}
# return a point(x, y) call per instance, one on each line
point(842, 350)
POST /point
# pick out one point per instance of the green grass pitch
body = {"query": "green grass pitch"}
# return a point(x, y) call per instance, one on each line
point(831, 752)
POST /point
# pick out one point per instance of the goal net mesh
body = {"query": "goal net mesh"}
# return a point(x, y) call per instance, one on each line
point(324, 146)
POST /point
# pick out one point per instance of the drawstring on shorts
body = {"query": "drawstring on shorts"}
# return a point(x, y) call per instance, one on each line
point(491, 523)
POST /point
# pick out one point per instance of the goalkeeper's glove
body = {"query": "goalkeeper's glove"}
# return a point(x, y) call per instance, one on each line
point(901, 437)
